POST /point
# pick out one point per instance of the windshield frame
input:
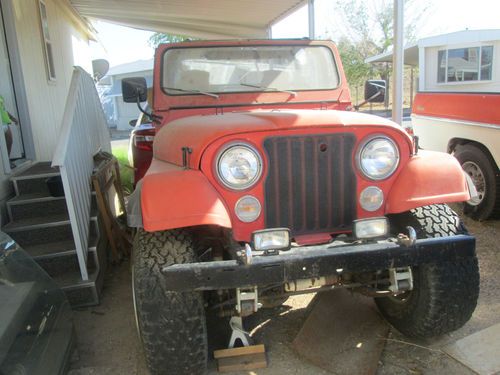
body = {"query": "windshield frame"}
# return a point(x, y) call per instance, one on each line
point(334, 59)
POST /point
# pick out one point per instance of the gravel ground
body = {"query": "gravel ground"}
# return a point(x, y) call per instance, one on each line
point(108, 344)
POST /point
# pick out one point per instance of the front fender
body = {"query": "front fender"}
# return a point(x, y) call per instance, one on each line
point(174, 197)
point(428, 178)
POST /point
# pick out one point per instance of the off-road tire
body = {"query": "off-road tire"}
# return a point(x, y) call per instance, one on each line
point(444, 294)
point(171, 325)
point(490, 205)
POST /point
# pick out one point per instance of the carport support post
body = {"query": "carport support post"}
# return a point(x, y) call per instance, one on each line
point(397, 62)
point(310, 11)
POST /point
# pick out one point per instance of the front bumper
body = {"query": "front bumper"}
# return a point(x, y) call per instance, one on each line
point(314, 262)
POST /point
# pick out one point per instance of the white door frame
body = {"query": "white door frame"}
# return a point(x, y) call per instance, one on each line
point(7, 13)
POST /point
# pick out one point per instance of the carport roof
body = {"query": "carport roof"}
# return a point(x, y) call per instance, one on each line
point(206, 19)
point(410, 56)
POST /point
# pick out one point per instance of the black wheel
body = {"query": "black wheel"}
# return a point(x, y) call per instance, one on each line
point(171, 325)
point(485, 175)
point(445, 294)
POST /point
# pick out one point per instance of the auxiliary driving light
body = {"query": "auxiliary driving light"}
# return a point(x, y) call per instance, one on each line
point(371, 198)
point(371, 228)
point(271, 239)
point(247, 209)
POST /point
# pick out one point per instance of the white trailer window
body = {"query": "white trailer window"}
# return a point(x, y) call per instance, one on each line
point(49, 54)
point(465, 64)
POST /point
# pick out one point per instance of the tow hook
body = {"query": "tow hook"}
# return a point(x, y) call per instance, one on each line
point(245, 255)
point(407, 240)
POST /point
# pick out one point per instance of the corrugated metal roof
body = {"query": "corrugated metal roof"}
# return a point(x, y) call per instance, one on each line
point(207, 19)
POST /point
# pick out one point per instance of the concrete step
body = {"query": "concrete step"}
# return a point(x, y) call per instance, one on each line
point(68, 263)
point(35, 204)
point(20, 211)
point(65, 271)
point(34, 179)
point(41, 219)
point(37, 197)
point(32, 198)
point(44, 233)
point(37, 222)
point(80, 292)
point(56, 249)
point(37, 170)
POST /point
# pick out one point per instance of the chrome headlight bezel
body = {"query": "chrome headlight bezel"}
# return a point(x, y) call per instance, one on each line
point(362, 148)
point(223, 152)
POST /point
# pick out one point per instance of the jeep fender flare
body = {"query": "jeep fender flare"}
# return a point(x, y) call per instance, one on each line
point(427, 178)
point(174, 197)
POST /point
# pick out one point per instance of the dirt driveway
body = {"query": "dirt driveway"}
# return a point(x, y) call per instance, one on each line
point(108, 343)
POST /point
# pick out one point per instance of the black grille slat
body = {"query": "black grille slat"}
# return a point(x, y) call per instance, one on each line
point(309, 190)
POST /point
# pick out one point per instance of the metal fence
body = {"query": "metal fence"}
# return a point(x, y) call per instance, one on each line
point(84, 132)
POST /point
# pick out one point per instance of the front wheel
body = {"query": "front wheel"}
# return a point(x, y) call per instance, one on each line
point(444, 294)
point(171, 325)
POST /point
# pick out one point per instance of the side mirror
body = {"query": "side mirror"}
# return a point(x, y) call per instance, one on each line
point(375, 91)
point(134, 90)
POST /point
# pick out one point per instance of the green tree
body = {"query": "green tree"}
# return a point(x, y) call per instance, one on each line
point(158, 38)
point(355, 68)
point(363, 29)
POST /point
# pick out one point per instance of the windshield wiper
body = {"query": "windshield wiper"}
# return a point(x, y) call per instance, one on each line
point(193, 92)
point(263, 88)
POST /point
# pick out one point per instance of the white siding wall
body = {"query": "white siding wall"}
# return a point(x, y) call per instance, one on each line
point(431, 70)
point(46, 99)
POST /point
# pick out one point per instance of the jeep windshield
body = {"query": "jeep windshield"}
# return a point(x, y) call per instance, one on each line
point(233, 69)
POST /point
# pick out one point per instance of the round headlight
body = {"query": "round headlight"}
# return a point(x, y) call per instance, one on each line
point(239, 166)
point(378, 158)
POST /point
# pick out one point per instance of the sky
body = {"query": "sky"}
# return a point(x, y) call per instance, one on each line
point(120, 45)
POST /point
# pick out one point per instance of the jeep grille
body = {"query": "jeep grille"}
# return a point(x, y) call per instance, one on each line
point(310, 185)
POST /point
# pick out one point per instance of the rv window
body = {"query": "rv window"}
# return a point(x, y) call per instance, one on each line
point(486, 62)
point(465, 64)
point(441, 66)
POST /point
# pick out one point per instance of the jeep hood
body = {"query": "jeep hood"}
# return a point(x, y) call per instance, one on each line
point(197, 132)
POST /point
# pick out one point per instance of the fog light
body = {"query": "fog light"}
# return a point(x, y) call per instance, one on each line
point(371, 228)
point(271, 239)
point(371, 198)
point(247, 209)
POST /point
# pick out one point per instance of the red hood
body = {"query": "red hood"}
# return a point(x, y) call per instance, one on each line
point(197, 132)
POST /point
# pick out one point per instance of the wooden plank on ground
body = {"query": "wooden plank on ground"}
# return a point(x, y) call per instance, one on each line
point(234, 352)
point(242, 362)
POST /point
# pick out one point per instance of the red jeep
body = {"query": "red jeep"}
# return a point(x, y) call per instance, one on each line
point(264, 184)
